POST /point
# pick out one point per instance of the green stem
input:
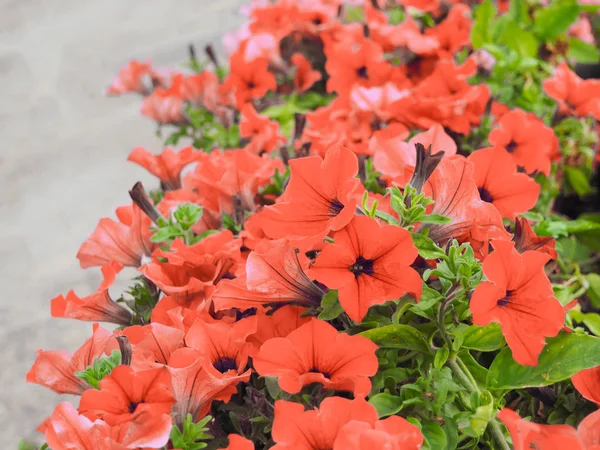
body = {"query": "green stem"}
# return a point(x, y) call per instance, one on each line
point(462, 376)
point(498, 435)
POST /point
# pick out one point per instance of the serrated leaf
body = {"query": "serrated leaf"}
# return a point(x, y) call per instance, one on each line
point(564, 356)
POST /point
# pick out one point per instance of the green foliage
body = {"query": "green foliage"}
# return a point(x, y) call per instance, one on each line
point(141, 298)
point(191, 435)
point(564, 356)
point(179, 226)
point(24, 445)
point(100, 368)
point(411, 207)
point(397, 336)
point(330, 306)
point(277, 184)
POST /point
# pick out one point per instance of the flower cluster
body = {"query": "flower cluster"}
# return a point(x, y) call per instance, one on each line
point(359, 240)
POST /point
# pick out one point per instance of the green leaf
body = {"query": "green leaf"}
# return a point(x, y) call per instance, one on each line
point(594, 290)
point(100, 368)
point(564, 356)
point(436, 219)
point(484, 16)
point(577, 180)
point(435, 438)
point(583, 52)
point(483, 414)
point(427, 248)
point(554, 20)
point(386, 404)
point(331, 306)
point(518, 12)
point(397, 336)
point(590, 320)
point(483, 339)
point(522, 41)
point(441, 356)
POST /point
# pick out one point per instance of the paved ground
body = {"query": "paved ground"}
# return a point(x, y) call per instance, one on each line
point(62, 161)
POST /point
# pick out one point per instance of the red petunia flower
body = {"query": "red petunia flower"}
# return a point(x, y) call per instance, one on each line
point(125, 242)
point(263, 132)
point(125, 394)
point(587, 382)
point(97, 307)
point(237, 442)
point(317, 353)
point(280, 324)
point(195, 387)
point(317, 429)
point(369, 264)
point(500, 184)
point(574, 96)
point(153, 344)
point(222, 345)
point(134, 77)
point(393, 433)
point(525, 239)
point(452, 186)
point(453, 33)
point(56, 369)
point(318, 198)
point(589, 431)
point(519, 296)
point(248, 80)
point(273, 277)
point(167, 166)
point(166, 105)
point(305, 76)
point(527, 435)
point(532, 144)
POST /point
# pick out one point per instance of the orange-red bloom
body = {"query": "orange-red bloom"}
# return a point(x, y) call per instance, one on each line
point(369, 264)
point(589, 431)
point(56, 369)
point(273, 276)
point(317, 353)
point(167, 166)
point(125, 242)
point(519, 296)
point(263, 132)
point(574, 96)
point(134, 77)
point(97, 307)
point(318, 198)
point(125, 394)
point(237, 442)
point(527, 435)
point(280, 324)
point(393, 433)
point(305, 76)
point(525, 239)
point(587, 382)
point(500, 184)
point(532, 144)
point(248, 79)
point(166, 105)
point(317, 429)
point(153, 344)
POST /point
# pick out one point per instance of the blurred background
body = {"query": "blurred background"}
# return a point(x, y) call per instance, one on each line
point(63, 160)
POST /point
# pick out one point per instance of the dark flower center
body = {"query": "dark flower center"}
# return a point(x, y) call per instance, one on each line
point(225, 364)
point(511, 147)
point(362, 266)
point(317, 21)
point(239, 315)
point(361, 72)
point(251, 85)
point(505, 300)
point(485, 195)
point(133, 405)
point(315, 370)
point(335, 207)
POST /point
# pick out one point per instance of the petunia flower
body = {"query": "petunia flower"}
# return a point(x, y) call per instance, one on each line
point(222, 345)
point(237, 442)
point(527, 435)
point(97, 307)
point(317, 429)
point(126, 242)
point(525, 239)
point(305, 76)
point(587, 382)
point(167, 166)
point(195, 387)
point(56, 369)
point(134, 77)
point(280, 324)
point(248, 80)
point(153, 344)
point(519, 296)
point(393, 433)
point(166, 105)
point(317, 353)
point(125, 394)
point(500, 184)
point(263, 133)
point(319, 197)
point(369, 264)
point(532, 144)
point(453, 33)
point(574, 96)
point(273, 277)
point(589, 431)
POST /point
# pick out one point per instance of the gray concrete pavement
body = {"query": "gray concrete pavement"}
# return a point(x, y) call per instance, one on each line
point(62, 159)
